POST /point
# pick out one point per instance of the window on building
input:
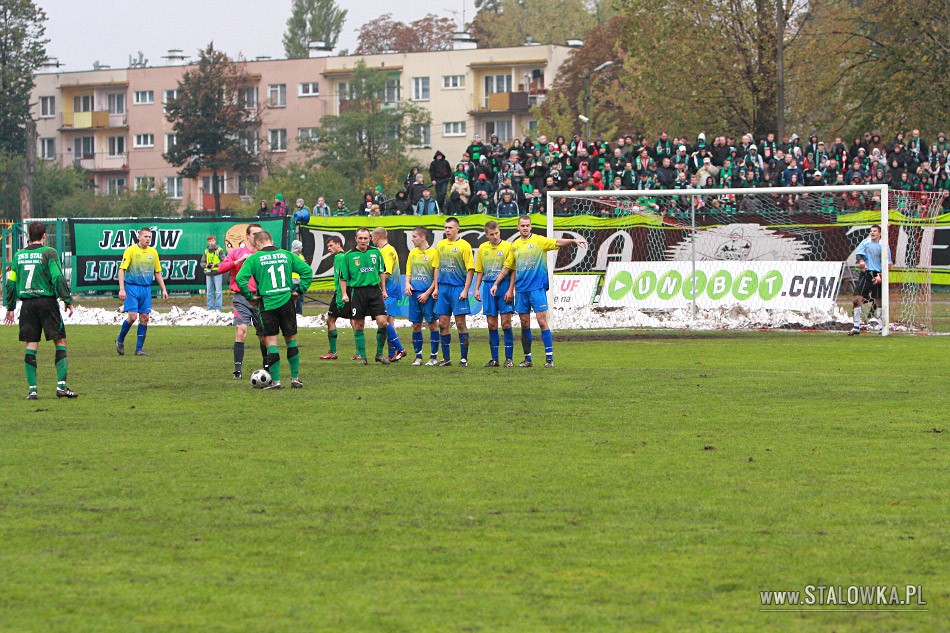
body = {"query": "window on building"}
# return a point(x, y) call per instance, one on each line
point(82, 103)
point(392, 91)
point(48, 148)
point(251, 141)
point(145, 183)
point(116, 146)
point(168, 95)
point(277, 95)
point(47, 107)
point(497, 83)
point(247, 185)
point(206, 183)
point(116, 186)
point(84, 147)
point(116, 101)
point(453, 82)
point(308, 89)
point(170, 140)
point(307, 134)
point(174, 187)
point(342, 92)
point(424, 135)
point(144, 140)
point(454, 128)
point(278, 140)
point(247, 97)
point(144, 97)
point(420, 88)
point(501, 128)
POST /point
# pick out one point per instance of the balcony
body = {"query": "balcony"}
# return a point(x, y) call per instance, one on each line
point(99, 119)
point(506, 102)
point(102, 163)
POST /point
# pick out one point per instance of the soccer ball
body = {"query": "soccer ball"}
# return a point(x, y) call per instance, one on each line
point(301, 216)
point(260, 378)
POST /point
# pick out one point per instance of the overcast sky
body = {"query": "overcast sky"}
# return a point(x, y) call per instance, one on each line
point(84, 31)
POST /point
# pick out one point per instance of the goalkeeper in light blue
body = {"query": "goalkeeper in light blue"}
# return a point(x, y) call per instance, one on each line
point(529, 263)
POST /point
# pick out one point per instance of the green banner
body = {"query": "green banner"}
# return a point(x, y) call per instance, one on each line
point(97, 247)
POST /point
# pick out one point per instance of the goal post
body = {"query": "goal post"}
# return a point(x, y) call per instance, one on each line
point(765, 258)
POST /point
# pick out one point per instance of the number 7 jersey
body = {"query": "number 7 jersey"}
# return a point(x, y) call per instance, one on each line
point(36, 273)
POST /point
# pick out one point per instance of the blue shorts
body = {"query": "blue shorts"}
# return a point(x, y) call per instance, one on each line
point(421, 312)
point(536, 300)
point(137, 299)
point(392, 305)
point(493, 306)
point(449, 302)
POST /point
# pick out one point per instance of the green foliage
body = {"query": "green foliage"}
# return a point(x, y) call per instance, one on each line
point(312, 21)
point(511, 22)
point(657, 483)
point(213, 126)
point(299, 180)
point(88, 204)
point(368, 137)
point(22, 52)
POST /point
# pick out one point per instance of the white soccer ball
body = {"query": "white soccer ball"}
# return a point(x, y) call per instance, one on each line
point(260, 378)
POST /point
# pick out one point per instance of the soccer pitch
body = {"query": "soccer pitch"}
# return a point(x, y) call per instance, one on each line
point(652, 481)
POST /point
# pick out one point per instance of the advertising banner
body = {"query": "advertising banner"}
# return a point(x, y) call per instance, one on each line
point(97, 247)
point(571, 291)
point(762, 284)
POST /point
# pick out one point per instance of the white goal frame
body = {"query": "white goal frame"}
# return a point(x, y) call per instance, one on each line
point(693, 194)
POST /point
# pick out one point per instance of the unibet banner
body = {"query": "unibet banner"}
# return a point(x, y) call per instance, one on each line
point(779, 285)
point(97, 247)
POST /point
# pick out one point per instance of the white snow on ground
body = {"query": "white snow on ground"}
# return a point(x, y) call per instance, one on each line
point(582, 318)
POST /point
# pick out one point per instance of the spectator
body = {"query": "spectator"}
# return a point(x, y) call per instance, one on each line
point(455, 204)
point(416, 190)
point(264, 210)
point(462, 188)
point(401, 204)
point(341, 208)
point(481, 203)
point(321, 207)
point(427, 204)
point(855, 171)
point(440, 173)
point(508, 207)
point(279, 210)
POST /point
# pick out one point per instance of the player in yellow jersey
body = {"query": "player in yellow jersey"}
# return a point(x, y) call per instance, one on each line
point(392, 278)
point(139, 267)
point(456, 269)
point(529, 262)
point(489, 261)
point(422, 280)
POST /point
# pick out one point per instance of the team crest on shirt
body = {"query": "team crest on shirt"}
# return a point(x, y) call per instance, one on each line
point(500, 253)
point(356, 261)
point(530, 245)
point(455, 250)
point(425, 258)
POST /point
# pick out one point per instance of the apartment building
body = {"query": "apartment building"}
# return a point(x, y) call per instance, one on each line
point(112, 122)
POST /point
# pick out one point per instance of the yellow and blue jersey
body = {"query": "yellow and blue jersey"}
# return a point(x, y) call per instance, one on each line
point(455, 260)
point(527, 259)
point(391, 266)
point(140, 265)
point(491, 259)
point(420, 267)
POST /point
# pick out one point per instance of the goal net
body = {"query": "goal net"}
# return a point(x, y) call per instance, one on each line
point(771, 258)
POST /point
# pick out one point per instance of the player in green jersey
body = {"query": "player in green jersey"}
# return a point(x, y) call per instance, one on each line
point(362, 286)
point(338, 309)
point(37, 280)
point(272, 269)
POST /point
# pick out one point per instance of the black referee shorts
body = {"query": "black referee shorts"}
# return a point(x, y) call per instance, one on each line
point(280, 320)
point(41, 315)
point(866, 286)
point(367, 301)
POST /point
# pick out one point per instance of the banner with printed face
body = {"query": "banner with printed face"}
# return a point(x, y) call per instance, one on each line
point(97, 247)
point(780, 285)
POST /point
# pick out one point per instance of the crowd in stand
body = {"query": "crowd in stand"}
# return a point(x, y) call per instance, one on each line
point(506, 180)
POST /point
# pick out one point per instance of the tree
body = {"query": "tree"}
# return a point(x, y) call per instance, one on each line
point(384, 34)
point(890, 70)
point(214, 128)
point(369, 136)
point(22, 52)
point(312, 21)
point(513, 22)
point(609, 101)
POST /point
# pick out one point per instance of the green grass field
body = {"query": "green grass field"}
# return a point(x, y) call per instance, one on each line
point(652, 482)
